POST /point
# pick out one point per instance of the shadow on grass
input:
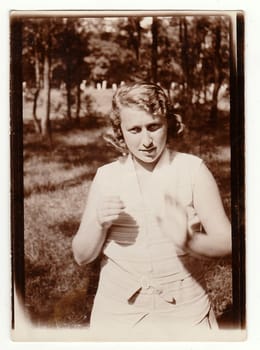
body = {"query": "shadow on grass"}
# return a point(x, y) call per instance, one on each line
point(67, 228)
point(91, 156)
point(200, 122)
point(95, 120)
point(70, 309)
point(34, 144)
point(227, 319)
point(51, 187)
point(74, 308)
point(73, 149)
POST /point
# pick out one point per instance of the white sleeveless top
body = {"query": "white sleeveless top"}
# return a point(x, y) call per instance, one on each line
point(138, 256)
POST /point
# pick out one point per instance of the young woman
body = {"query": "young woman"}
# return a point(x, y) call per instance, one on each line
point(142, 214)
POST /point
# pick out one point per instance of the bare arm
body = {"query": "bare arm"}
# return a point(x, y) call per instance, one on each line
point(98, 216)
point(216, 241)
point(90, 236)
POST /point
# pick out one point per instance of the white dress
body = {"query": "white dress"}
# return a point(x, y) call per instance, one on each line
point(146, 282)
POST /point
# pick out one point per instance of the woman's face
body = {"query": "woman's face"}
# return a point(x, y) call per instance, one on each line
point(144, 134)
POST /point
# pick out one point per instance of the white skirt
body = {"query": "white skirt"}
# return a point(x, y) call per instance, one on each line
point(112, 320)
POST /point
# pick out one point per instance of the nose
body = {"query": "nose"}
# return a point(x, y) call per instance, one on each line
point(147, 140)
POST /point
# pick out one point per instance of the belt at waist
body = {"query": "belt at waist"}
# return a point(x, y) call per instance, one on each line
point(128, 284)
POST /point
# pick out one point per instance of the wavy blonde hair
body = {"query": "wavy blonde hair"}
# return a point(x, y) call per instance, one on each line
point(144, 96)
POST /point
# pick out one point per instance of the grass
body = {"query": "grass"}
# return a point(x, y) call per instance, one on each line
point(58, 292)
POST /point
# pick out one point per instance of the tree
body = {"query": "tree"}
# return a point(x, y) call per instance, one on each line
point(32, 64)
point(37, 54)
point(69, 52)
point(220, 71)
point(134, 30)
point(37, 124)
point(193, 52)
point(45, 120)
point(169, 67)
point(154, 49)
point(190, 51)
point(108, 59)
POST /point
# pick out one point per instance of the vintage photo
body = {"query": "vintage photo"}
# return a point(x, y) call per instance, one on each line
point(127, 147)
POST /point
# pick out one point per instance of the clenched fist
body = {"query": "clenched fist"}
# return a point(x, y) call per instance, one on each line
point(109, 209)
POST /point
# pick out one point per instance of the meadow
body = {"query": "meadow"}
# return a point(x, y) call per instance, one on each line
point(58, 292)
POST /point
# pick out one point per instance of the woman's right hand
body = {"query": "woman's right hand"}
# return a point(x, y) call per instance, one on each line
point(173, 222)
point(109, 209)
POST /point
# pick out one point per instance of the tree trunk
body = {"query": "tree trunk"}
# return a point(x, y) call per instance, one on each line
point(37, 124)
point(138, 40)
point(78, 103)
point(217, 76)
point(154, 49)
point(214, 105)
point(135, 34)
point(68, 68)
point(36, 121)
point(185, 58)
point(68, 88)
point(45, 121)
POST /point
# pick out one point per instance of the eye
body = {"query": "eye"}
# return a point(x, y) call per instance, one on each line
point(134, 130)
point(154, 127)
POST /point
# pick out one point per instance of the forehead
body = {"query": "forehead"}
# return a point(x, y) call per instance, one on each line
point(134, 116)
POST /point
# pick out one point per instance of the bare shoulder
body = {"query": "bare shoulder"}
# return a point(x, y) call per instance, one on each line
point(112, 167)
point(185, 159)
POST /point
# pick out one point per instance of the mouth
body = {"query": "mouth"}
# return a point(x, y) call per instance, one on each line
point(148, 151)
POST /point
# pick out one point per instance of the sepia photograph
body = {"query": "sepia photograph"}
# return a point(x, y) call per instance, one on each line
point(127, 175)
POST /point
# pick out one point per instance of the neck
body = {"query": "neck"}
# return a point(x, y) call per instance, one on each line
point(140, 165)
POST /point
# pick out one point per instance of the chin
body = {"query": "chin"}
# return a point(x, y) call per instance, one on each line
point(148, 160)
point(151, 160)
